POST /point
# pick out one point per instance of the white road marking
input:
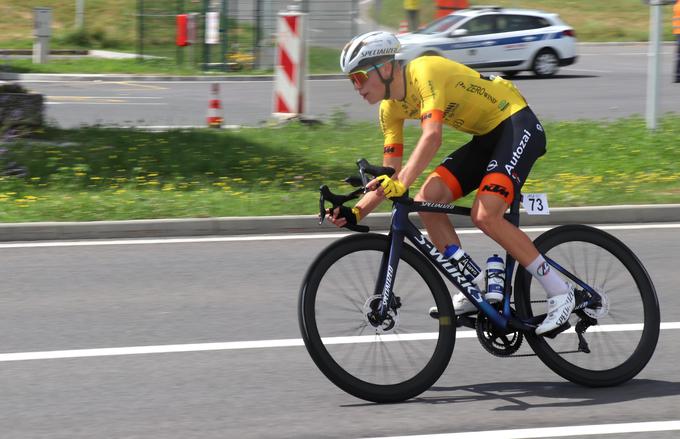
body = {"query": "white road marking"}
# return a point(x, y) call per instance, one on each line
point(576, 430)
point(574, 69)
point(84, 98)
point(107, 103)
point(286, 237)
point(641, 53)
point(260, 344)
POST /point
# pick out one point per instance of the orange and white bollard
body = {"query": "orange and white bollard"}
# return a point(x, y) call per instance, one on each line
point(214, 118)
point(403, 27)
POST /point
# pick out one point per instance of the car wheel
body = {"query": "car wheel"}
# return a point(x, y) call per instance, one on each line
point(545, 63)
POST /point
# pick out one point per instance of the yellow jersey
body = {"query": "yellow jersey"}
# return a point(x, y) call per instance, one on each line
point(444, 90)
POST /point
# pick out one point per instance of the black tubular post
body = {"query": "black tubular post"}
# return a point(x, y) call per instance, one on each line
point(258, 32)
point(140, 29)
point(224, 27)
point(513, 215)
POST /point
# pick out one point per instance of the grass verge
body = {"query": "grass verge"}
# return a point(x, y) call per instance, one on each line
point(113, 174)
point(321, 60)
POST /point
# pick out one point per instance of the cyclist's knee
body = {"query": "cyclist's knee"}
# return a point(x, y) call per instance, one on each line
point(484, 218)
point(483, 221)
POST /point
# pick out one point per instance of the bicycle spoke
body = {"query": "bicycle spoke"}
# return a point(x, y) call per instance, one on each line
point(624, 335)
point(343, 299)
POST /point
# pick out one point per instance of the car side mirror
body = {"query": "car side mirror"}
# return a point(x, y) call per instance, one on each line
point(458, 33)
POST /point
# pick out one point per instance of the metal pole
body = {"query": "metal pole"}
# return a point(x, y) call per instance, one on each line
point(654, 61)
point(42, 30)
point(80, 14)
point(355, 18)
point(265, 50)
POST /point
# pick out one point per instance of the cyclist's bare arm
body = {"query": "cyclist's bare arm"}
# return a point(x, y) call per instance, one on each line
point(427, 147)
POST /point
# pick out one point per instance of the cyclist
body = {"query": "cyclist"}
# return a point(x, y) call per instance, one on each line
point(506, 141)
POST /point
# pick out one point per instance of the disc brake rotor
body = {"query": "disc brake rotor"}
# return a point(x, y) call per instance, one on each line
point(601, 311)
point(370, 312)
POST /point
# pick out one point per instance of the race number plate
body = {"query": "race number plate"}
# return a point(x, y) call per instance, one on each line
point(536, 204)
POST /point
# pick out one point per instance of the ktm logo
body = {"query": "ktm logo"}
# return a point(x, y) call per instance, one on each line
point(497, 189)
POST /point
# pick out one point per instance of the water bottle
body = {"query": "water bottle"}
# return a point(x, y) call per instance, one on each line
point(495, 278)
point(465, 264)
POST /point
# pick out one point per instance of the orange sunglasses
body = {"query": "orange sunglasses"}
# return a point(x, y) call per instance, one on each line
point(359, 77)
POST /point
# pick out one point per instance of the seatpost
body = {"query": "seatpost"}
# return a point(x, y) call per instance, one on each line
point(513, 215)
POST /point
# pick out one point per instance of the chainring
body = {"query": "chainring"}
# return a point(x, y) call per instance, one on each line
point(495, 342)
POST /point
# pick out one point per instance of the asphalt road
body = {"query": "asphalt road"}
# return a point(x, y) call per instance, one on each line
point(609, 81)
point(104, 294)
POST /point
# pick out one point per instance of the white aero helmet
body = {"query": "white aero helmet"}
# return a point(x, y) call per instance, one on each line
point(365, 47)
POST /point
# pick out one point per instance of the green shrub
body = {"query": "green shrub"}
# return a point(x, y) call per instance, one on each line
point(90, 39)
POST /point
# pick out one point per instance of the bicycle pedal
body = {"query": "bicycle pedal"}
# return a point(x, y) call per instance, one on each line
point(467, 321)
point(555, 332)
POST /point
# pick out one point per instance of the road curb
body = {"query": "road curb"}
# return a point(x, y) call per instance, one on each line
point(234, 226)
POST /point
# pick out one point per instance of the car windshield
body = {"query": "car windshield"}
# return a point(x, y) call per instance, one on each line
point(440, 25)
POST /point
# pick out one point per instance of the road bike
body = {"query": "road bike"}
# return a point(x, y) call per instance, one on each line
point(366, 305)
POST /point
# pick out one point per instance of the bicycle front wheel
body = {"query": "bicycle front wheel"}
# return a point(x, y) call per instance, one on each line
point(627, 324)
point(389, 362)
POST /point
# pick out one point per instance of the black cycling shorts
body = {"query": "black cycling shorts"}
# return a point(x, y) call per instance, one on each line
point(498, 162)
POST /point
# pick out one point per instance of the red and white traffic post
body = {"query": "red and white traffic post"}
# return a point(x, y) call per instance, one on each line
point(290, 70)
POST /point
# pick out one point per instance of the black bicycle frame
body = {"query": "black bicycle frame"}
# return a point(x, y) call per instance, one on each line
point(402, 227)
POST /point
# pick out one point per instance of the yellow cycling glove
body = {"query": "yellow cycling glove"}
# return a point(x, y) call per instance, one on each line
point(392, 188)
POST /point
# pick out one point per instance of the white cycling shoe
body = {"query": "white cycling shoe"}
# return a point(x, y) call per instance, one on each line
point(559, 310)
point(461, 304)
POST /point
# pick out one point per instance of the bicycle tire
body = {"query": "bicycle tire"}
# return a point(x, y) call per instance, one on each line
point(617, 353)
point(370, 378)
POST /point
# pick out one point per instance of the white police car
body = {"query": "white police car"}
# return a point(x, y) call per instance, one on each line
point(497, 39)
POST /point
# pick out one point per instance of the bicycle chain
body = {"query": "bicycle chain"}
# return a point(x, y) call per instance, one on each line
point(500, 355)
point(513, 355)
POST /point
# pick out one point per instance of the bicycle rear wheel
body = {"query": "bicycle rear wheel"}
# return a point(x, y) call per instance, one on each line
point(627, 329)
point(396, 360)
